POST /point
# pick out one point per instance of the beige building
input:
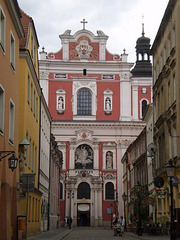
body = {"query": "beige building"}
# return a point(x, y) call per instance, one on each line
point(166, 88)
point(10, 33)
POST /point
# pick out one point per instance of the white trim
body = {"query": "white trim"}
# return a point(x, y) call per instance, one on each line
point(108, 94)
point(92, 87)
point(4, 34)
point(60, 95)
point(2, 110)
point(104, 188)
point(11, 121)
point(12, 51)
point(141, 105)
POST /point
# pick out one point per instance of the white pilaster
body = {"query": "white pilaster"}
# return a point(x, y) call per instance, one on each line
point(65, 47)
point(125, 97)
point(100, 205)
point(71, 157)
point(96, 153)
point(135, 102)
point(102, 51)
point(96, 204)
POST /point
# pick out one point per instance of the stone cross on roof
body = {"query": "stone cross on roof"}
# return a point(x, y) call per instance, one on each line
point(84, 22)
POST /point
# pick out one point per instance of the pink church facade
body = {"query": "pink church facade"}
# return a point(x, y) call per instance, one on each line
point(96, 104)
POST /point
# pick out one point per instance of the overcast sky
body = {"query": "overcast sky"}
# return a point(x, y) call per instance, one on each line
point(121, 20)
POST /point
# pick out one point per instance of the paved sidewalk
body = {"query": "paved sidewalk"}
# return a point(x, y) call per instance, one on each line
point(55, 234)
point(148, 236)
point(62, 232)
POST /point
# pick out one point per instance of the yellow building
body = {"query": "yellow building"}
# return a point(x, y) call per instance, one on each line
point(29, 120)
point(166, 89)
point(10, 33)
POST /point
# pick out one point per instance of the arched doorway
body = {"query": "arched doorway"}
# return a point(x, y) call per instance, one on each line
point(83, 209)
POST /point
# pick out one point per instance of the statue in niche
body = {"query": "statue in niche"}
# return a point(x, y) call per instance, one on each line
point(60, 103)
point(84, 157)
point(109, 160)
point(108, 104)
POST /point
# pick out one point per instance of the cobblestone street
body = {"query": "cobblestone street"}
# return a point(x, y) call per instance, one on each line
point(91, 234)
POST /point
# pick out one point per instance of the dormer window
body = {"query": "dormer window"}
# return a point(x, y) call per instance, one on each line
point(60, 101)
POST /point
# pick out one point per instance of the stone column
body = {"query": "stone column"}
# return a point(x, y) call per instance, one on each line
point(100, 206)
point(95, 208)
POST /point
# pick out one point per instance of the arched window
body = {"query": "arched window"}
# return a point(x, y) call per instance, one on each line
point(109, 188)
point(83, 191)
point(139, 57)
point(146, 56)
point(61, 191)
point(144, 106)
point(84, 102)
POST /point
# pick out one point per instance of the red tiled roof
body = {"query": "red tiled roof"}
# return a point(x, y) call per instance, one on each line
point(25, 20)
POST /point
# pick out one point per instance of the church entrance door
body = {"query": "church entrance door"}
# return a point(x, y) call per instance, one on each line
point(83, 215)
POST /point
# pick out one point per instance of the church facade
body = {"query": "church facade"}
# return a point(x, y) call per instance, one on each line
point(96, 104)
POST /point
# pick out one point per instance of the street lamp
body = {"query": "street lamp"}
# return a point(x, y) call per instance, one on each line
point(170, 169)
point(124, 197)
point(139, 230)
point(12, 161)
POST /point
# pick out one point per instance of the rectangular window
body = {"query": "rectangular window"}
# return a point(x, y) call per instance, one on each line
point(174, 142)
point(35, 162)
point(173, 37)
point(28, 89)
point(29, 210)
point(31, 96)
point(29, 163)
point(11, 121)
point(33, 210)
point(169, 94)
point(27, 136)
point(164, 55)
point(34, 101)
point(2, 29)
point(32, 46)
point(12, 52)
point(33, 156)
point(36, 108)
point(174, 88)
point(2, 109)
point(34, 56)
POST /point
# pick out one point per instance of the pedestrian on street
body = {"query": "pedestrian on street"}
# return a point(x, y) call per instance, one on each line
point(122, 222)
point(66, 221)
point(69, 222)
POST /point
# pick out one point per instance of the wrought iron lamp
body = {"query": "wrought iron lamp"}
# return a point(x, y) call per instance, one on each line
point(12, 160)
point(170, 169)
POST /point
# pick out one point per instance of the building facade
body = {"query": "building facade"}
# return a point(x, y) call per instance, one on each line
point(44, 176)
point(135, 172)
point(166, 88)
point(56, 159)
point(96, 110)
point(11, 32)
point(29, 122)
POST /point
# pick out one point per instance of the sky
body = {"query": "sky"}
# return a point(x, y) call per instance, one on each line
point(121, 20)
